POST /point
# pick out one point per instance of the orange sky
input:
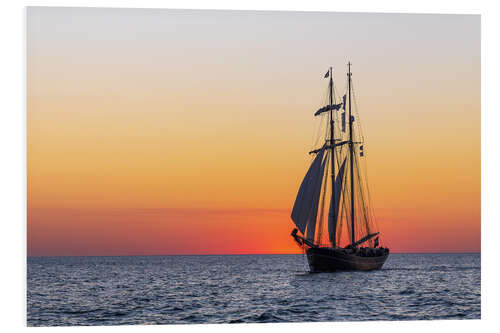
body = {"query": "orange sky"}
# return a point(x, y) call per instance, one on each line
point(168, 132)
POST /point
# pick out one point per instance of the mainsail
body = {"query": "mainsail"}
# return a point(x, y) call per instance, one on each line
point(306, 204)
point(311, 223)
point(334, 204)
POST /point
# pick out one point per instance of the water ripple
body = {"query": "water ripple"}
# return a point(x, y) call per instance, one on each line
point(67, 291)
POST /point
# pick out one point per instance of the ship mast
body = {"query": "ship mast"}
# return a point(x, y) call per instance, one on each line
point(332, 145)
point(351, 156)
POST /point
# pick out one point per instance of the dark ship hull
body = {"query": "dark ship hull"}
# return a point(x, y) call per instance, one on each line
point(329, 260)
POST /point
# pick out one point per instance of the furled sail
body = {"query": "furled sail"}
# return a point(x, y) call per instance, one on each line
point(311, 223)
point(304, 202)
point(334, 204)
point(328, 108)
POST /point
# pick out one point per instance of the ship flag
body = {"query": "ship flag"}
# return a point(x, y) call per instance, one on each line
point(327, 74)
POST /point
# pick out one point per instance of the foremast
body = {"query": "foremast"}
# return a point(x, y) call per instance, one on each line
point(332, 147)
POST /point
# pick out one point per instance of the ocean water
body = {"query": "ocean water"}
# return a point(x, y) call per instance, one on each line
point(246, 289)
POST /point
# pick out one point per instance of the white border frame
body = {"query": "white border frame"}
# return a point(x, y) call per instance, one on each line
point(13, 152)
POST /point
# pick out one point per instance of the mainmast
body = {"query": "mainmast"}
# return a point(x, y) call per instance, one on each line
point(332, 145)
point(351, 155)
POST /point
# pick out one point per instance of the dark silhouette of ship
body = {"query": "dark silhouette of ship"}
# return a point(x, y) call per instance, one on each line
point(337, 179)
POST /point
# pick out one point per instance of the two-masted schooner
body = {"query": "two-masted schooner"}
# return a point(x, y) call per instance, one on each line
point(337, 179)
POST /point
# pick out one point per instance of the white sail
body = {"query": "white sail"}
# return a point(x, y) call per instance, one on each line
point(334, 204)
point(304, 202)
point(316, 191)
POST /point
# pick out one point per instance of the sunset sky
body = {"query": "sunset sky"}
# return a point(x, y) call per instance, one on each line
point(186, 132)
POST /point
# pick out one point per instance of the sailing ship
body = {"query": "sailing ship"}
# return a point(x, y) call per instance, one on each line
point(346, 239)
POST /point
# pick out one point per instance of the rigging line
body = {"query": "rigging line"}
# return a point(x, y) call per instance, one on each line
point(339, 227)
point(361, 201)
point(370, 204)
point(317, 134)
point(348, 212)
point(336, 93)
point(334, 152)
point(325, 137)
point(360, 187)
point(333, 155)
point(366, 164)
point(338, 164)
point(342, 154)
point(358, 218)
point(321, 221)
point(365, 208)
point(366, 211)
point(365, 203)
point(358, 119)
point(346, 206)
point(345, 210)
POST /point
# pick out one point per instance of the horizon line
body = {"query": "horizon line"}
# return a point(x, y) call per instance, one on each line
point(222, 254)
